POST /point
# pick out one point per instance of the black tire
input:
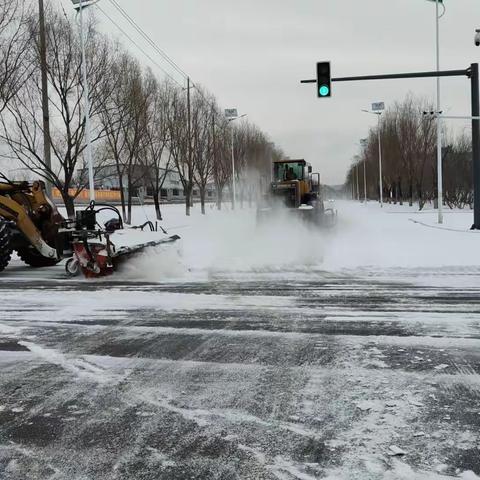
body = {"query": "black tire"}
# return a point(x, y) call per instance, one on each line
point(72, 267)
point(32, 257)
point(5, 246)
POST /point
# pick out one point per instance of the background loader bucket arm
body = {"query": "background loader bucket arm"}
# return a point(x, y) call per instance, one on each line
point(11, 210)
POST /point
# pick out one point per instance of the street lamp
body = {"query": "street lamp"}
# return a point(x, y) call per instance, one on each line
point(378, 113)
point(232, 114)
point(79, 5)
point(439, 120)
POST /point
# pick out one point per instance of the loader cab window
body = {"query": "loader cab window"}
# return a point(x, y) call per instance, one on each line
point(288, 171)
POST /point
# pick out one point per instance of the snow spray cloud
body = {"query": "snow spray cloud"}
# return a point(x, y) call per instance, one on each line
point(234, 242)
point(229, 242)
point(158, 264)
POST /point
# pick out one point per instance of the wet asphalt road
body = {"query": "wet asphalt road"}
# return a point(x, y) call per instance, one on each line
point(254, 376)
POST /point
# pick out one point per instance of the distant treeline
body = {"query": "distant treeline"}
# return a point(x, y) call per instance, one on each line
point(140, 122)
point(409, 150)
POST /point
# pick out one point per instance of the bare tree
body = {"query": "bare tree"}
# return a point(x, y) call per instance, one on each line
point(156, 158)
point(114, 117)
point(15, 65)
point(20, 123)
point(222, 167)
point(203, 125)
point(409, 151)
point(180, 142)
point(137, 96)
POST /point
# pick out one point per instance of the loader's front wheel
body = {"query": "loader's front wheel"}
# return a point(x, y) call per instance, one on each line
point(32, 257)
point(5, 248)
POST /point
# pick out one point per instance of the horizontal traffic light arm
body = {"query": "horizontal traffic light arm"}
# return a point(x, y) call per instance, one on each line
point(391, 76)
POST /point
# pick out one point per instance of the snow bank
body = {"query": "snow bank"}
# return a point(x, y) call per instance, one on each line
point(370, 236)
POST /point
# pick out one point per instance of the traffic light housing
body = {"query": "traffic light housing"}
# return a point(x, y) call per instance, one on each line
point(324, 80)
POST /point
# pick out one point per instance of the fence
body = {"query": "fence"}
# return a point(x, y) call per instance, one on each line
point(84, 195)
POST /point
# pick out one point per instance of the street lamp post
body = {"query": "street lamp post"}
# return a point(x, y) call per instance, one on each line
point(358, 186)
point(439, 120)
point(380, 173)
point(234, 193)
point(365, 179)
point(377, 110)
point(232, 115)
point(88, 135)
point(364, 143)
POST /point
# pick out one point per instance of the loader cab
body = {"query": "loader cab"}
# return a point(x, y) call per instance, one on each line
point(293, 183)
point(289, 170)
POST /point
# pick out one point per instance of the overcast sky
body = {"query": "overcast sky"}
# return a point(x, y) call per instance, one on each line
point(253, 53)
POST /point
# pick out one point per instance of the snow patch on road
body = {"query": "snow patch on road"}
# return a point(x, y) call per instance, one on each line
point(79, 367)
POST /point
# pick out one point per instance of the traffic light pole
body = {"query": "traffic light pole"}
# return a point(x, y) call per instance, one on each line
point(475, 145)
point(473, 74)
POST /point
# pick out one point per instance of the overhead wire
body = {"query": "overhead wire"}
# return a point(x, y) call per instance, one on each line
point(152, 43)
point(137, 45)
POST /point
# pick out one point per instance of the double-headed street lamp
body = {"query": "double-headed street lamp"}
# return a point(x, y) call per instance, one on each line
point(79, 6)
point(439, 120)
point(231, 115)
point(377, 109)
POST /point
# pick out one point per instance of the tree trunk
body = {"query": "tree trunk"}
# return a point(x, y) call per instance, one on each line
point(219, 197)
point(202, 200)
point(188, 201)
point(156, 201)
point(69, 204)
point(122, 196)
point(421, 201)
point(242, 196)
point(128, 221)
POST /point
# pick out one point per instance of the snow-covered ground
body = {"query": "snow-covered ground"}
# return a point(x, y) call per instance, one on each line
point(247, 352)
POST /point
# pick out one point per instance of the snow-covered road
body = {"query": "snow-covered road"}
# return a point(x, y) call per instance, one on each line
point(285, 355)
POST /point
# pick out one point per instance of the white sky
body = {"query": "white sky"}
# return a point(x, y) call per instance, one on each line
point(253, 53)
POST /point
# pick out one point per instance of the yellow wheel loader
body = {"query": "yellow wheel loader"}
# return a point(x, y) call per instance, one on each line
point(296, 190)
point(29, 224)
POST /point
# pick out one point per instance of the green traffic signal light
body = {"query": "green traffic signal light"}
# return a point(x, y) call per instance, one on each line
point(324, 91)
point(324, 88)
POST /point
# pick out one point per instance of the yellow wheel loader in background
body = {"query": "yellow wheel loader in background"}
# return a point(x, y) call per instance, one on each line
point(296, 190)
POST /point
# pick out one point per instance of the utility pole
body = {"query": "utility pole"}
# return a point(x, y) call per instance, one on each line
point(189, 134)
point(86, 93)
point(47, 158)
point(474, 78)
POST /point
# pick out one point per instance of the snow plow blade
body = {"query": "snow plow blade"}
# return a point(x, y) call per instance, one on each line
point(97, 252)
point(132, 250)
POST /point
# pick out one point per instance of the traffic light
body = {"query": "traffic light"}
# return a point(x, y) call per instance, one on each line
point(324, 81)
